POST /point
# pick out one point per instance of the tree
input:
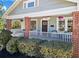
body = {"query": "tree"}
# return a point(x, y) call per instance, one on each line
point(1, 20)
point(0, 6)
point(1, 24)
point(1, 11)
point(16, 24)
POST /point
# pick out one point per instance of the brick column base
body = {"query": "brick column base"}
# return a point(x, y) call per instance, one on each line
point(27, 27)
point(75, 35)
point(8, 25)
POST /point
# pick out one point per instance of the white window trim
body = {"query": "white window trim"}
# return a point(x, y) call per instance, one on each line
point(66, 23)
point(36, 25)
point(36, 3)
point(48, 18)
point(57, 27)
point(24, 3)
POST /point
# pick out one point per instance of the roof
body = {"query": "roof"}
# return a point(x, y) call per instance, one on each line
point(13, 6)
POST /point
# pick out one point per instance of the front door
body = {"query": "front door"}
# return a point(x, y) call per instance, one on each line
point(44, 26)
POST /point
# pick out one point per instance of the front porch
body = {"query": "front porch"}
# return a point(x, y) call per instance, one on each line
point(47, 28)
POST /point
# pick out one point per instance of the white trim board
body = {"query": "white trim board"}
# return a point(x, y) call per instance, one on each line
point(54, 12)
point(75, 1)
point(47, 19)
point(66, 23)
point(36, 23)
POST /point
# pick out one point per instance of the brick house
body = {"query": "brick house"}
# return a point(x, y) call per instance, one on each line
point(46, 19)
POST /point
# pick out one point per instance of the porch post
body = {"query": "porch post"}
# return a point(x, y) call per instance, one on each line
point(75, 35)
point(27, 26)
point(57, 24)
point(8, 24)
point(66, 24)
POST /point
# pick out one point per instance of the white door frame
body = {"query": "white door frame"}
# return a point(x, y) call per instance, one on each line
point(45, 18)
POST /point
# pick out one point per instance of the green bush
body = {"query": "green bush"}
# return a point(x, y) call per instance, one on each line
point(21, 46)
point(56, 49)
point(36, 41)
point(33, 48)
point(55, 53)
point(44, 48)
point(57, 45)
point(5, 36)
point(40, 48)
point(1, 46)
point(11, 46)
point(30, 48)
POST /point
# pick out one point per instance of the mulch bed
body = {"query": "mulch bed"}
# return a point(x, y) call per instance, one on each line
point(5, 54)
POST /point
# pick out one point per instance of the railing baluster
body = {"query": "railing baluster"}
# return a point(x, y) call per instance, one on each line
point(66, 37)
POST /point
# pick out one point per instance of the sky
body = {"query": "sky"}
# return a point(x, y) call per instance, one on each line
point(6, 3)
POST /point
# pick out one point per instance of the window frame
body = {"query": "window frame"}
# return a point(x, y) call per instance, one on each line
point(63, 26)
point(36, 3)
point(31, 6)
point(24, 5)
point(36, 25)
point(66, 23)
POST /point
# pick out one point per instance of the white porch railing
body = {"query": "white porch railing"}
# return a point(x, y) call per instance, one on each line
point(66, 37)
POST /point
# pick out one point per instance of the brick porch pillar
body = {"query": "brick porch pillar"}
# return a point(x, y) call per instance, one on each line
point(27, 26)
point(75, 35)
point(8, 24)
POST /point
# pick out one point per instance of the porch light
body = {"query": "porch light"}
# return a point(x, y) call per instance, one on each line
point(21, 20)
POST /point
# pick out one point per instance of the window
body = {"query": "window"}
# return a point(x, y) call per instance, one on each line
point(65, 24)
point(24, 6)
point(69, 25)
point(16, 24)
point(30, 3)
point(61, 25)
point(33, 26)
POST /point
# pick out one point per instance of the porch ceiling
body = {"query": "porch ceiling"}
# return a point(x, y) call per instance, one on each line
point(15, 4)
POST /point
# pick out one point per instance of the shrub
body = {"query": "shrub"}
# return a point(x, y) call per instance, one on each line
point(36, 41)
point(56, 49)
point(1, 46)
point(5, 36)
point(40, 48)
point(57, 44)
point(55, 53)
point(29, 48)
point(32, 49)
point(69, 53)
point(12, 46)
point(43, 48)
point(21, 46)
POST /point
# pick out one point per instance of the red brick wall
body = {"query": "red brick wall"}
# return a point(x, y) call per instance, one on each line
point(27, 26)
point(75, 35)
point(9, 24)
